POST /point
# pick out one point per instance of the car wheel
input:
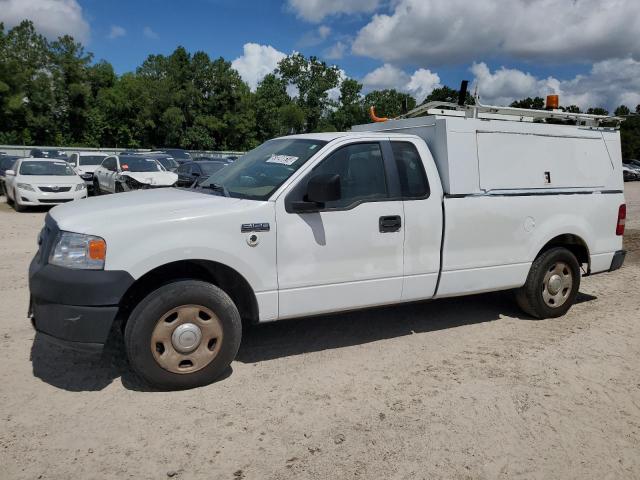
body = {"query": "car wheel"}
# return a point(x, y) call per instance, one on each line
point(16, 205)
point(96, 188)
point(119, 188)
point(552, 284)
point(183, 335)
point(7, 198)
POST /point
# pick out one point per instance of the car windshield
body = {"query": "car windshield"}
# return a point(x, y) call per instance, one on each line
point(179, 154)
point(6, 163)
point(209, 168)
point(261, 171)
point(168, 163)
point(91, 159)
point(132, 164)
point(29, 167)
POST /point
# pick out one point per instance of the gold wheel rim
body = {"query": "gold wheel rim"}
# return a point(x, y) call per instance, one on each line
point(186, 339)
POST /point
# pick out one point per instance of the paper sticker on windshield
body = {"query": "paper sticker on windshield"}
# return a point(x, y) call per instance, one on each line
point(282, 159)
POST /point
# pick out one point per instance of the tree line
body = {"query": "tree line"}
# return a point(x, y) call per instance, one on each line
point(53, 93)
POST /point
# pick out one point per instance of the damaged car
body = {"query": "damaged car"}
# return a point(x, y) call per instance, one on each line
point(122, 173)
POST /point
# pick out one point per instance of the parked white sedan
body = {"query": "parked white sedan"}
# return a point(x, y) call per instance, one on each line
point(121, 173)
point(41, 181)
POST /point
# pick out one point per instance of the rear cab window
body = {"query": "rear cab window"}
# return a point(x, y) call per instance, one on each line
point(413, 179)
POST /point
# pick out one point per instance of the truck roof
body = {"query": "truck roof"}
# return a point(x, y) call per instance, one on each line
point(330, 136)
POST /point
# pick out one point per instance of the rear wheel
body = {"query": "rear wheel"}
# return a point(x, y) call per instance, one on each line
point(552, 284)
point(183, 335)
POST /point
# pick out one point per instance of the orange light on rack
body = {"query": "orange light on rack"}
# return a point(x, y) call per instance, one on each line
point(553, 102)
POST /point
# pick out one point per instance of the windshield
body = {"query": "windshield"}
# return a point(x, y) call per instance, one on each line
point(168, 163)
point(261, 171)
point(30, 167)
point(7, 163)
point(179, 154)
point(211, 168)
point(91, 159)
point(133, 164)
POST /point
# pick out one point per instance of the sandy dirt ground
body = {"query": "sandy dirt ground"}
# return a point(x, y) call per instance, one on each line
point(465, 388)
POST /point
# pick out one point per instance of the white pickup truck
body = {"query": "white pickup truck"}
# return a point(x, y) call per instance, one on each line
point(423, 208)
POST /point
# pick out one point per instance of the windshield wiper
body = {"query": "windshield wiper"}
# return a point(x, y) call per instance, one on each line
point(218, 187)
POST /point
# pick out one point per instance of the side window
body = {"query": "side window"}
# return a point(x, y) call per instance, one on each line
point(413, 179)
point(362, 174)
point(183, 169)
point(110, 164)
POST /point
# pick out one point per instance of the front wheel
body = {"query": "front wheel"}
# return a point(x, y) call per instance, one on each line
point(96, 188)
point(16, 203)
point(183, 335)
point(552, 284)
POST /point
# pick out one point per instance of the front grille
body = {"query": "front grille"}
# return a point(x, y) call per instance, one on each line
point(54, 189)
point(57, 200)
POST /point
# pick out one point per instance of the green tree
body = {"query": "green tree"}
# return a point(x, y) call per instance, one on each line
point(350, 110)
point(446, 94)
point(536, 103)
point(389, 103)
point(622, 111)
point(313, 79)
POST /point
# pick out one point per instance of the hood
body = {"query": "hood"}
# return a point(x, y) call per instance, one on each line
point(49, 179)
point(153, 178)
point(86, 168)
point(105, 214)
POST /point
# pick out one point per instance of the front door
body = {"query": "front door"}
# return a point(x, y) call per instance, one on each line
point(350, 253)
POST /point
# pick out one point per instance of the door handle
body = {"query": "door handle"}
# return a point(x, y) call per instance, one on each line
point(390, 223)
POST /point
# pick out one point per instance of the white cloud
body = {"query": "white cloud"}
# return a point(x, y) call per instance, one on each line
point(315, 37)
point(149, 33)
point(336, 51)
point(256, 62)
point(116, 32)
point(452, 31)
point(324, 31)
point(52, 18)
point(608, 84)
point(420, 84)
point(318, 10)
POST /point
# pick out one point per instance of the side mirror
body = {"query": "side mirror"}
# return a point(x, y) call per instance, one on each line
point(10, 173)
point(321, 188)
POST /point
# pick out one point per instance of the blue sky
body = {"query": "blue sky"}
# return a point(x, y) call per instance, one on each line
point(588, 51)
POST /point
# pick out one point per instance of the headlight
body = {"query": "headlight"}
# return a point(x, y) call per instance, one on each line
point(76, 250)
point(25, 186)
point(80, 186)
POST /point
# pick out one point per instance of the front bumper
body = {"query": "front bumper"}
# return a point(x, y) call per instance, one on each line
point(74, 307)
point(29, 198)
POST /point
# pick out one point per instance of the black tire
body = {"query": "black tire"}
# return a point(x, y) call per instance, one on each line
point(9, 200)
point(96, 188)
point(531, 297)
point(119, 188)
point(16, 206)
point(150, 311)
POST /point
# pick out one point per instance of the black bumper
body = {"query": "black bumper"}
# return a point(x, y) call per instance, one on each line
point(75, 307)
point(618, 260)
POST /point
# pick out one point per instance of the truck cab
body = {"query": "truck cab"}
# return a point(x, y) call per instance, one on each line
point(320, 223)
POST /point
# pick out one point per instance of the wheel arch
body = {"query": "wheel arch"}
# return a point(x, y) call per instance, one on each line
point(572, 242)
point(224, 277)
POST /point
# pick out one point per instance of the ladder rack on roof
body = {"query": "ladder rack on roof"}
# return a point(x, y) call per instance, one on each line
point(520, 114)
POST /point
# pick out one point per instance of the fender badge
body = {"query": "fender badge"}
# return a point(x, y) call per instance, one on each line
point(255, 227)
